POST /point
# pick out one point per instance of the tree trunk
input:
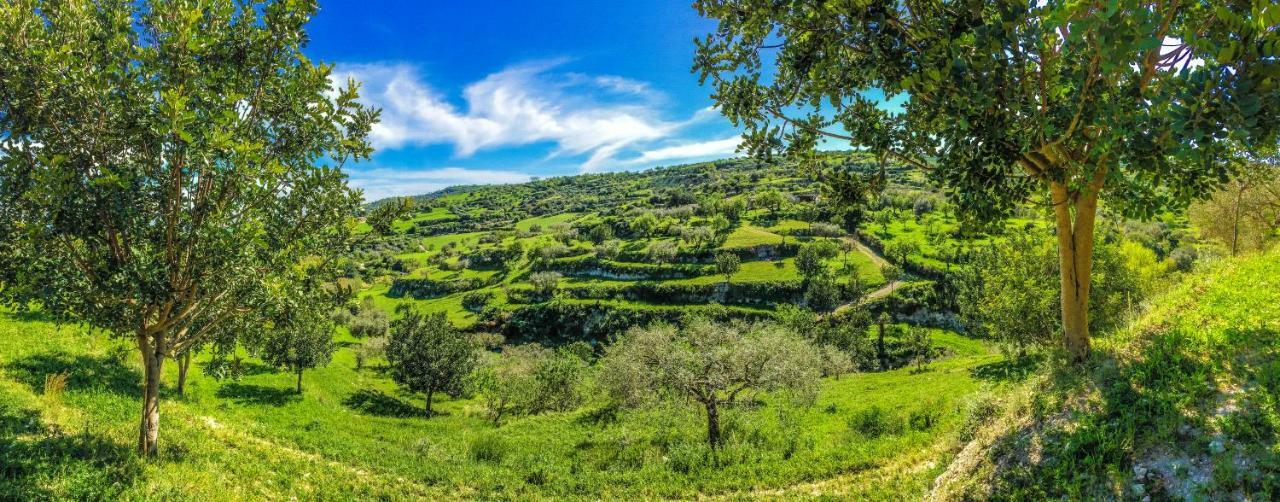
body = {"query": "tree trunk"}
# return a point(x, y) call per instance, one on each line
point(713, 424)
point(299, 380)
point(184, 364)
point(1075, 257)
point(149, 429)
point(1235, 223)
point(880, 352)
point(430, 393)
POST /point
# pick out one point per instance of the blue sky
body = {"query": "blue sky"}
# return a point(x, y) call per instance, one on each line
point(496, 92)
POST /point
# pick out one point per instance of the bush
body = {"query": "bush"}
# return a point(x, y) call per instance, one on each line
point(476, 301)
point(1184, 258)
point(545, 284)
point(925, 417)
point(488, 448)
point(371, 322)
point(530, 379)
point(825, 230)
point(370, 349)
point(875, 422)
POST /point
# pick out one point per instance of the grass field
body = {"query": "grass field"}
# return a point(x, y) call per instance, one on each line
point(351, 433)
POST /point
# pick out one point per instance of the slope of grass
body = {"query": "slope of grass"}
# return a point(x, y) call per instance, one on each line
point(353, 434)
point(1182, 404)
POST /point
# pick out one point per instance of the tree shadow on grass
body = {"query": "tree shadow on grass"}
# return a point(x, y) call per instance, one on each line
point(1008, 370)
point(36, 460)
point(376, 402)
point(84, 372)
point(257, 394)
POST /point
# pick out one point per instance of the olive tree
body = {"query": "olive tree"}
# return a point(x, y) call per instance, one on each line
point(429, 355)
point(160, 162)
point(728, 264)
point(299, 337)
point(709, 363)
point(1137, 102)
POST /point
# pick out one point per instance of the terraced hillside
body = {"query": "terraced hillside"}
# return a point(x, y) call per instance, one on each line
point(595, 253)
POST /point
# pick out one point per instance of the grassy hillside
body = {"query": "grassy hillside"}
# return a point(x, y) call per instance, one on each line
point(1183, 404)
point(352, 434)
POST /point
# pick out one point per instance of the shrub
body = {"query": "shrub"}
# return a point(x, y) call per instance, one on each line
point(371, 322)
point(370, 349)
point(545, 284)
point(825, 230)
point(488, 448)
point(530, 379)
point(875, 422)
point(476, 301)
point(925, 417)
point(1184, 258)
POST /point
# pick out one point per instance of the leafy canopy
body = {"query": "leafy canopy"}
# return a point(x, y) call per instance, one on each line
point(998, 96)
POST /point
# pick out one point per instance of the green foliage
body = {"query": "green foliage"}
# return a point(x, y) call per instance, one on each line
point(530, 379)
point(728, 264)
point(811, 260)
point(167, 164)
point(545, 284)
point(822, 294)
point(370, 322)
point(299, 337)
point(1010, 293)
point(427, 354)
point(709, 363)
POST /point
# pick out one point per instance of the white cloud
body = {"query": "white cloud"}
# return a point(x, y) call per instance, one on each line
point(521, 105)
point(381, 183)
point(686, 151)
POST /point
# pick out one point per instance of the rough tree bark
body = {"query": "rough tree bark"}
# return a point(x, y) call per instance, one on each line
point(149, 429)
point(299, 389)
point(713, 423)
point(430, 393)
point(184, 364)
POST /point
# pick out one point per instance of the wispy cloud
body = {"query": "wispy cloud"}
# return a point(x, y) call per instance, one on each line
point(517, 106)
point(688, 151)
point(381, 182)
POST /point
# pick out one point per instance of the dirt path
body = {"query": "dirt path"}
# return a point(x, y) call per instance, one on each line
point(884, 291)
point(879, 260)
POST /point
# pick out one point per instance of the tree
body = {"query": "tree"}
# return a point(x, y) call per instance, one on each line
point(600, 232)
point(370, 322)
point(884, 322)
point(530, 379)
point(920, 344)
point(902, 249)
point(299, 337)
point(1134, 101)
point(369, 349)
point(166, 162)
point(663, 251)
point(728, 264)
point(1245, 213)
point(545, 284)
point(709, 363)
point(822, 294)
point(772, 200)
point(427, 354)
point(811, 259)
point(1009, 293)
point(835, 362)
point(847, 192)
